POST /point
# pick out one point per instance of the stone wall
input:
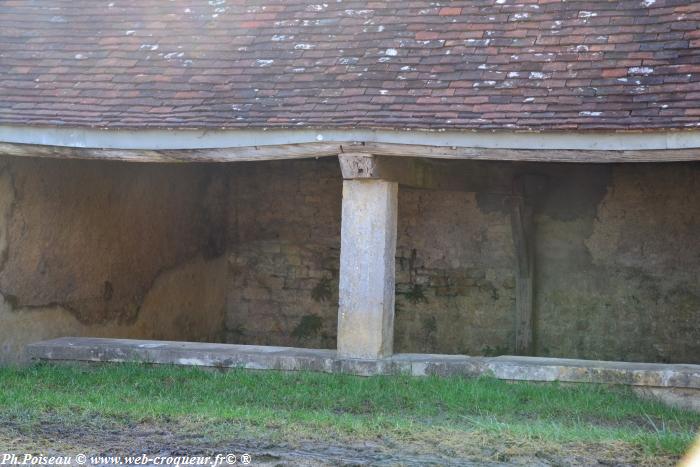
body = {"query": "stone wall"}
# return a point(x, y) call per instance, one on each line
point(249, 253)
point(616, 253)
point(284, 253)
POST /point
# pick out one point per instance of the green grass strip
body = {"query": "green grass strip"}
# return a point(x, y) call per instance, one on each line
point(341, 405)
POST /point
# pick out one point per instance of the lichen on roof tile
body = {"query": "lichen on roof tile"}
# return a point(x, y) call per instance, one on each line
point(465, 64)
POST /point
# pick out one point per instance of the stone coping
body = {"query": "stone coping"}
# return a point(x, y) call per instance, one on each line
point(511, 368)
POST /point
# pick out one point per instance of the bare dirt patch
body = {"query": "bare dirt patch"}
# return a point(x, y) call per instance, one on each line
point(55, 436)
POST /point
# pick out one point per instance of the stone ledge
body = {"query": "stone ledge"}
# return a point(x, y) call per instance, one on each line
point(294, 359)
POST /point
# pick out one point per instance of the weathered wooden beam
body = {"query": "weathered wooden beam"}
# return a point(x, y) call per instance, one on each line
point(243, 154)
point(409, 171)
point(330, 148)
point(432, 174)
point(531, 155)
point(523, 238)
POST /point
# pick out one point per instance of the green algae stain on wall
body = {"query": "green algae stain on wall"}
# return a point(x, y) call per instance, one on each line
point(309, 326)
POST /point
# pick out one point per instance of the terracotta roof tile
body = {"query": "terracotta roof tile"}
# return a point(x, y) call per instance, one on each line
point(478, 64)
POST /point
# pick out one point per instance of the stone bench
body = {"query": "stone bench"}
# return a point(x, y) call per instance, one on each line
point(676, 384)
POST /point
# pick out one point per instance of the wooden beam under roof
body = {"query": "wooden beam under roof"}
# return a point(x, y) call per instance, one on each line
point(323, 149)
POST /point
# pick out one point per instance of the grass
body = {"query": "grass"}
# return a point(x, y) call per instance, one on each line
point(307, 405)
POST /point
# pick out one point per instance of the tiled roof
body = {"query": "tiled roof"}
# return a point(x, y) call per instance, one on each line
point(479, 64)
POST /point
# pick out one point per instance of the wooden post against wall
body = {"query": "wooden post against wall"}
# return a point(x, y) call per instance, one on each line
point(523, 237)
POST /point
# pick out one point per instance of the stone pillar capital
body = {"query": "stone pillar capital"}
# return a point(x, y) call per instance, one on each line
point(364, 166)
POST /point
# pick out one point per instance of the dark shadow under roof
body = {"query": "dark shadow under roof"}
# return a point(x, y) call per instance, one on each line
point(482, 64)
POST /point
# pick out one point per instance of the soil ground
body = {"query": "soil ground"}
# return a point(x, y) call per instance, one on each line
point(313, 419)
point(53, 436)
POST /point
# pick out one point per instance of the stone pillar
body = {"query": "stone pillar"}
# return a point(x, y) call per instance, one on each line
point(367, 260)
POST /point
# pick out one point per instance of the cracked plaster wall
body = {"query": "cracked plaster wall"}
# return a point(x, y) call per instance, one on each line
point(94, 248)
